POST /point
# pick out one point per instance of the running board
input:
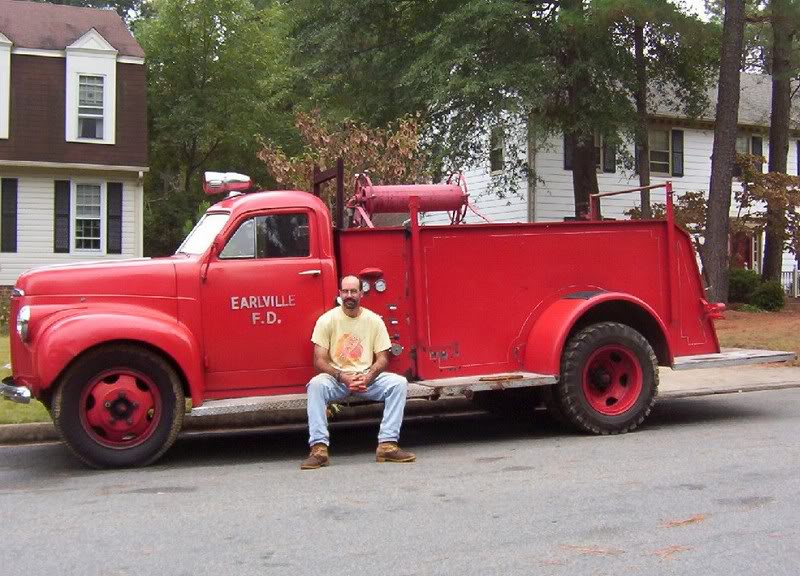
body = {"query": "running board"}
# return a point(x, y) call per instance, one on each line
point(281, 402)
point(731, 357)
point(462, 386)
point(465, 385)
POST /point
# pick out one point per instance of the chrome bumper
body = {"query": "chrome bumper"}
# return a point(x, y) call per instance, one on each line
point(14, 393)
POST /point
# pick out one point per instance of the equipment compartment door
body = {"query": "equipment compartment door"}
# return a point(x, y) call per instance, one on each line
point(261, 298)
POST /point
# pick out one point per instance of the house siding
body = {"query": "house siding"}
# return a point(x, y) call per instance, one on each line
point(36, 131)
point(35, 221)
point(553, 195)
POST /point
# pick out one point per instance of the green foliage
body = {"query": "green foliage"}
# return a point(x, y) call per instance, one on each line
point(742, 284)
point(5, 308)
point(469, 66)
point(769, 296)
point(214, 75)
point(750, 308)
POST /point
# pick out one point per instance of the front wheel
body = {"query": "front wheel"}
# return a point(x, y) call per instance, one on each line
point(609, 379)
point(119, 406)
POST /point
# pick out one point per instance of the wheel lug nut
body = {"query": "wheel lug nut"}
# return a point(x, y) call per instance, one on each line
point(107, 404)
point(129, 421)
point(135, 404)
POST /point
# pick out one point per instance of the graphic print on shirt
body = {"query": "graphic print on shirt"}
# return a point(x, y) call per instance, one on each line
point(348, 348)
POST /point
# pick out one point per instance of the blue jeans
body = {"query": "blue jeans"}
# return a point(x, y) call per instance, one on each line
point(388, 388)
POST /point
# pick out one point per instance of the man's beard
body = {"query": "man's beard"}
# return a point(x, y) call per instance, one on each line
point(350, 303)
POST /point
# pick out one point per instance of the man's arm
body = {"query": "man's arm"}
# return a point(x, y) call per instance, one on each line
point(380, 364)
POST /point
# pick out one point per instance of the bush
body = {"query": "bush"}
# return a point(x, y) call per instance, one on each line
point(769, 296)
point(5, 308)
point(742, 284)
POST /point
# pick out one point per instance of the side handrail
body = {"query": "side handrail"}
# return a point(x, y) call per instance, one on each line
point(672, 263)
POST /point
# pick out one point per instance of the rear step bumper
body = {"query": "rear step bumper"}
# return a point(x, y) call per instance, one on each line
point(731, 357)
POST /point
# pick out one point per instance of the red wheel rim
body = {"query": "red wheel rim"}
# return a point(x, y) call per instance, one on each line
point(120, 408)
point(612, 380)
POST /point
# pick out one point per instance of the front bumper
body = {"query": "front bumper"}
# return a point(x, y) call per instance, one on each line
point(10, 391)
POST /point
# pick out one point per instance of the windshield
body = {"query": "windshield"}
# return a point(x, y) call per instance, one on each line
point(203, 234)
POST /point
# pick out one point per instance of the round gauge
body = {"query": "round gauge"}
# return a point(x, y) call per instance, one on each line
point(380, 285)
point(365, 286)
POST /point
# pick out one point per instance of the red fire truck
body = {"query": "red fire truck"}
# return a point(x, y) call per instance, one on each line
point(586, 310)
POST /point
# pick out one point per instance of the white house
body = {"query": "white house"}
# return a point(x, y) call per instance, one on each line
point(680, 150)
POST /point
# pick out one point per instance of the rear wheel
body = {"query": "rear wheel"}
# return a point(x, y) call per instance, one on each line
point(119, 406)
point(609, 379)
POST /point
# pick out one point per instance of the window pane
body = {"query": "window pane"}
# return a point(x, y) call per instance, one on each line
point(90, 127)
point(496, 144)
point(283, 236)
point(742, 144)
point(242, 243)
point(659, 140)
point(90, 91)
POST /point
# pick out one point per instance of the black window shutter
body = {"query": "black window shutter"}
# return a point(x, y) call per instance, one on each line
point(677, 152)
point(61, 238)
point(114, 218)
point(568, 141)
point(757, 148)
point(8, 226)
point(609, 157)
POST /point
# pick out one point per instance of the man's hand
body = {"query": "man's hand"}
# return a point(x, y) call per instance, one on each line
point(355, 382)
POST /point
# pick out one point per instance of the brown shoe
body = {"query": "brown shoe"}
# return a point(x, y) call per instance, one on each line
point(391, 452)
point(317, 458)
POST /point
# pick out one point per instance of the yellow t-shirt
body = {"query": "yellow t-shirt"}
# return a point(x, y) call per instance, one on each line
point(351, 342)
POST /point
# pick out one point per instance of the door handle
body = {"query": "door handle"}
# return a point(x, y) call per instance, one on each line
point(310, 273)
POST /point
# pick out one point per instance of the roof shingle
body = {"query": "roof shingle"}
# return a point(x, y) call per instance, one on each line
point(54, 26)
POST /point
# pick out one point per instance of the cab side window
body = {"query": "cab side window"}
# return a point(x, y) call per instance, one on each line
point(273, 236)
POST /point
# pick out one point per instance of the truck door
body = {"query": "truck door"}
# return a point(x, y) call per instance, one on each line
point(261, 297)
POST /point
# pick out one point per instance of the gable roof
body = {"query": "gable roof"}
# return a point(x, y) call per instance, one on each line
point(755, 103)
point(54, 26)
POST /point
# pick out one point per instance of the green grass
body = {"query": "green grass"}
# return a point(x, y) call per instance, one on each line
point(11, 412)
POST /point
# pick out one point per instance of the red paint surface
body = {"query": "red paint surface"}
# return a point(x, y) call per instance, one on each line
point(460, 300)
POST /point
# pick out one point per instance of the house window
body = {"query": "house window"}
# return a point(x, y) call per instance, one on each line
point(749, 145)
point(88, 217)
point(605, 154)
point(666, 151)
point(496, 143)
point(659, 151)
point(90, 107)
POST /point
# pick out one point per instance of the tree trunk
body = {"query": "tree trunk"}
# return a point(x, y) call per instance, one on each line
point(782, 32)
point(642, 140)
point(579, 91)
point(724, 152)
point(584, 175)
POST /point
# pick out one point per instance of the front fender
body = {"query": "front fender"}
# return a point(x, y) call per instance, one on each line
point(67, 338)
point(549, 334)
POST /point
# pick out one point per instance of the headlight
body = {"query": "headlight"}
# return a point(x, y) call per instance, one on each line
point(23, 318)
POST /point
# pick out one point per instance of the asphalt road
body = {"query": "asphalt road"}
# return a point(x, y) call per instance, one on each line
point(710, 486)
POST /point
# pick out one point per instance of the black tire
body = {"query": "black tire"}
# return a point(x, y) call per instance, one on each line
point(629, 358)
point(555, 412)
point(74, 403)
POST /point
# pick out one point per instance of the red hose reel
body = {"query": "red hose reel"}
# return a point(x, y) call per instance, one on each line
point(369, 199)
